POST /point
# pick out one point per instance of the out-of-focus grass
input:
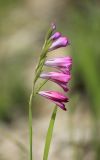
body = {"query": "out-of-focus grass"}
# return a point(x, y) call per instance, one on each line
point(81, 22)
point(83, 28)
point(82, 25)
point(13, 92)
point(9, 3)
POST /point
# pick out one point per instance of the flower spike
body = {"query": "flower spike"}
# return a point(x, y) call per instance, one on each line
point(53, 40)
point(61, 77)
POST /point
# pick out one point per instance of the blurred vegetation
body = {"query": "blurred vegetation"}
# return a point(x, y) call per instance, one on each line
point(80, 20)
point(13, 94)
point(82, 25)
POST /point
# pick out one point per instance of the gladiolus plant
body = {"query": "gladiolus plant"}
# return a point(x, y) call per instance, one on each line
point(62, 76)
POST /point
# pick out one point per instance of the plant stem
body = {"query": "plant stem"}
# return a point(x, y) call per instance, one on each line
point(38, 71)
point(49, 134)
point(30, 117)
point(30, 123)
point(42, 84)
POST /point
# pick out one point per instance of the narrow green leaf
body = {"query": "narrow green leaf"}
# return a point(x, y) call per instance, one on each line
point(49, 134)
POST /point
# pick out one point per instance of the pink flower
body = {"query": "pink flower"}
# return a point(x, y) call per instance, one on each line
point(59, 62)
point(60, 42)
point(56, 97)
point(55, 36)
point(62, 63)
point(57, 77)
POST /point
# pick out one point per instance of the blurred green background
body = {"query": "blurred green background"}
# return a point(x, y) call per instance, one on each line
point(23, 24)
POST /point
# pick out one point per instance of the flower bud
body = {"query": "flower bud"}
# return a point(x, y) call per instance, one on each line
point(60, 42)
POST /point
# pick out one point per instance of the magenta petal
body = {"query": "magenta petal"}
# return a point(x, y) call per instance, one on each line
point(64, 64)
point(60, 42)
point(64, 86)
point(61, 62)
point(55, 36)
point(56, 76)
point(61, 105)
point(53, 95)
point(65, 70)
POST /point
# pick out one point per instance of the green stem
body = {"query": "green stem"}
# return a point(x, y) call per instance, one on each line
point(49, 134)
point(30, 117)
point(41, 85)
point(30, 124)
point(39, 70)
